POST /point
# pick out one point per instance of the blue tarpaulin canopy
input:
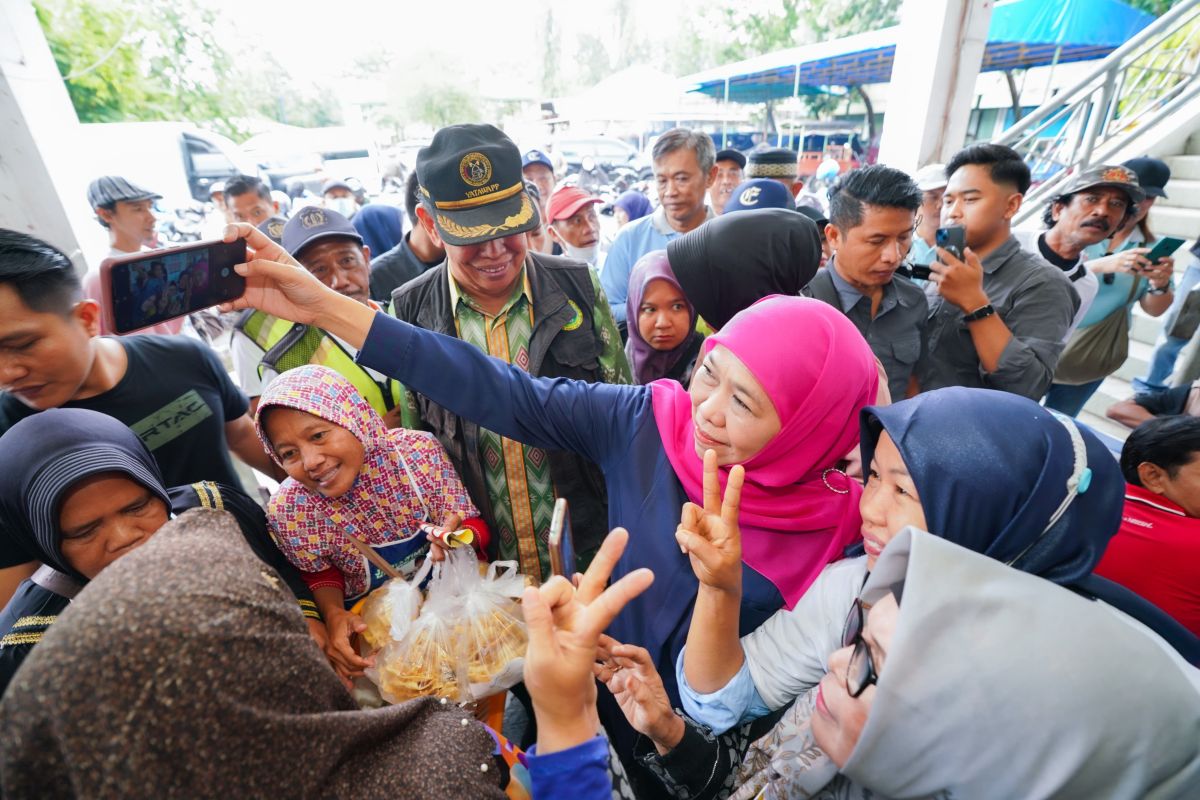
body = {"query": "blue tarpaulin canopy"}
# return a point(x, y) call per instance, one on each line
point(1023, 33)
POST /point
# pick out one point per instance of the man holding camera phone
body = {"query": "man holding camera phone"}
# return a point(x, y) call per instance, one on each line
point(998, 317)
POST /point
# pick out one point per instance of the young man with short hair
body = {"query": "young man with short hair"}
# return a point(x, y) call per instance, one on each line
point(249, 200)
point(1156, 552)
point(871, 218)
point(414, 255)
point(684, 169)
point(998, 317)
point(126, 210)
point(172, 391)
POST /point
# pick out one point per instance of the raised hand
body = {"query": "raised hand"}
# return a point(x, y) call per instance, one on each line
point(960, 281)
point(277, 284)
point(564, 627)
point(710, 535)
point(629, 674)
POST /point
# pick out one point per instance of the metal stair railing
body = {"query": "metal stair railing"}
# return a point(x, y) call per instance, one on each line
point(1137, 86)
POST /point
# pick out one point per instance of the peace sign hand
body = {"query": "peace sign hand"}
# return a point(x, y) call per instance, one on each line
point(710, 535)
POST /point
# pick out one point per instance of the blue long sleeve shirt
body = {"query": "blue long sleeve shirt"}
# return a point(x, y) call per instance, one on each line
point(614, 427)
point(580, 772)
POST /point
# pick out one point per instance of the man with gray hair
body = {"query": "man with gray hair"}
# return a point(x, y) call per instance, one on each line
point(684, 170)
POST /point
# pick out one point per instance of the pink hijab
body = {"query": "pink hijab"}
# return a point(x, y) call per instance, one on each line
point(819, 372)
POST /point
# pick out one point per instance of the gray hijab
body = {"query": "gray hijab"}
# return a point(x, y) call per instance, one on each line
point(1001, 684)
point(185, 669)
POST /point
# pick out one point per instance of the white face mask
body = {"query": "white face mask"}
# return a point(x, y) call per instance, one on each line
point(586, 254)
point(346, 206)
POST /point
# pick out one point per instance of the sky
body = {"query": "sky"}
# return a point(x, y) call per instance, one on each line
point(486, 37)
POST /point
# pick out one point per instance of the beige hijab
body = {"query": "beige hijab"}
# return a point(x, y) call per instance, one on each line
point(1001, 684)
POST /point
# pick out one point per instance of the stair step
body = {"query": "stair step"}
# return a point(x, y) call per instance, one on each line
point(1183, 194)
point(1193, 145)
point(1183, 223)
point(1103, 424)
point(1185, 167)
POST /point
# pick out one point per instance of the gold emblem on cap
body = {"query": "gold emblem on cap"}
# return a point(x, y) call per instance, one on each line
point(312, 218)
point(275, 229)
point(523, 215)
point(1116, 174)
point(750, 196)
point(475, 169)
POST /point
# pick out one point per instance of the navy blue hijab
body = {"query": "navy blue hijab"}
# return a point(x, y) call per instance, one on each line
point(44, 455)
point(380, 227)
point(991, 469)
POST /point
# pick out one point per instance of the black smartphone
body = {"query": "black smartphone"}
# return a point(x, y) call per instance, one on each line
point(144, 289)
point(1163, 248)
point(952, 239)
point(562, 546)
point(920, 272)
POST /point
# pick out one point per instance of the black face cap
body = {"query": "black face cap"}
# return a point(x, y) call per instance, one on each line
point(1152, 174)
point(731, 262)
point(471, 184)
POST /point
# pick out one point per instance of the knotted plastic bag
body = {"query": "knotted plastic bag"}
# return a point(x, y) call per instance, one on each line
point(389, 611)
point(468, 641)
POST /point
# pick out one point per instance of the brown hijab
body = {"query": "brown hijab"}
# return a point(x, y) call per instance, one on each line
point(186, 670)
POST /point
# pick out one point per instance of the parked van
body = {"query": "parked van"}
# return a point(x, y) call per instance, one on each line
point(178, 160)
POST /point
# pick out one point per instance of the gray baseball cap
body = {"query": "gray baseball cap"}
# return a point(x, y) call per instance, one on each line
point(109, 189)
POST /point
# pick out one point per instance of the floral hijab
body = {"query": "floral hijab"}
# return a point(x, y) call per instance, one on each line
point(406, 480)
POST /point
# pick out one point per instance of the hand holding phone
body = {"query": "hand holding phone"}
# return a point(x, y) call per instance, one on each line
point(144, 289)
point(1163, 248)
point(562, 545)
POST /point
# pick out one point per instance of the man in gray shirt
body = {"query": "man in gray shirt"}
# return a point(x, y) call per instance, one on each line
point(999, 316)
point(872, 212)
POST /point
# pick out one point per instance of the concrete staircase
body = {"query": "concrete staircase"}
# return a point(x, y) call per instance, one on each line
point(1179, 216)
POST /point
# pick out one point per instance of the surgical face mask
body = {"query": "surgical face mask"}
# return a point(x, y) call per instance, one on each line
point(346, 206)
point(585, 254)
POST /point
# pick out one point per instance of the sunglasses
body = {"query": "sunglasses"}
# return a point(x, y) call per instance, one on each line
point(860, 671)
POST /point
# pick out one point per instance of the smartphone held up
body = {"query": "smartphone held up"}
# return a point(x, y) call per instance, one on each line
point(952, 239)
point(144, 289)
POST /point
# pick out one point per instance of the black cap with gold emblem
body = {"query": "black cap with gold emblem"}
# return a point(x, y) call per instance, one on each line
point(471, 184)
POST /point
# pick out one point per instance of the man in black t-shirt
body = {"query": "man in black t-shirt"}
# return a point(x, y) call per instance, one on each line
point(1157, 403)
point(172, 391)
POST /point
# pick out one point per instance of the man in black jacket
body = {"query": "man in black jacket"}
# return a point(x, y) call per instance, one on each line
point(543, 314)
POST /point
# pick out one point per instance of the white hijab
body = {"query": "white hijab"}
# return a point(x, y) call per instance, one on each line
point(1001, 684)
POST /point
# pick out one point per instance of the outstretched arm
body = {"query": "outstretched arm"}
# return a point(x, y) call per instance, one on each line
point(594, 420)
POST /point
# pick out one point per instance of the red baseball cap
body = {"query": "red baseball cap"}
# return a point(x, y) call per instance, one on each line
point(566, 201)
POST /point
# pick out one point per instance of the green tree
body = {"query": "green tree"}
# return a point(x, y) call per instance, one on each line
point(144, 60)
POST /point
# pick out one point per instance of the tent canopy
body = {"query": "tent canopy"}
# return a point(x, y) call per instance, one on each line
point(1022, 34)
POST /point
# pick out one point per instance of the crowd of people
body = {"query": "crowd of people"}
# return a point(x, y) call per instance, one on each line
point(837, 530)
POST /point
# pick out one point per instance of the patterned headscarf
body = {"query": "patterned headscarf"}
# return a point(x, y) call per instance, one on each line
point(406, 479)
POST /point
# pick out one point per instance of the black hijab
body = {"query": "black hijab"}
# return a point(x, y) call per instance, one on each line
point(48, 453)
point(731, 262)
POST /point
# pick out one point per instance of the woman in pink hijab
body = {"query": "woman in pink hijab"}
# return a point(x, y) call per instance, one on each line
point(778, 390)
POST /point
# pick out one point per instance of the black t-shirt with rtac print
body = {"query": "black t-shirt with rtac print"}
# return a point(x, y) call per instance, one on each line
point(176, 396)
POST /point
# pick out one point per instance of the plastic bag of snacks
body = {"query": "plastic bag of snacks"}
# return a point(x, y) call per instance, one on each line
point(389, 611)
point(468, 641)
point(493, 631)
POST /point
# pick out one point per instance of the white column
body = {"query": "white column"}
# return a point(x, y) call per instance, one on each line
point(938, 54)
point(43, 188)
